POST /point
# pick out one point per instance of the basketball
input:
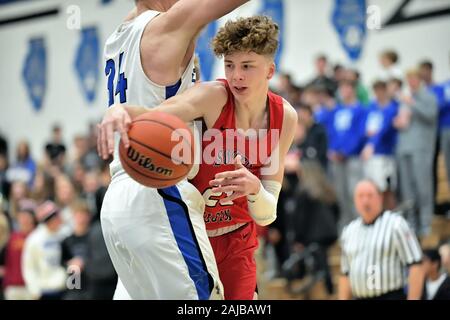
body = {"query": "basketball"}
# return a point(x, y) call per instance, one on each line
point(161, 151)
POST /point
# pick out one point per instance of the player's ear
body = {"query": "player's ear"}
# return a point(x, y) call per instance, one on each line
point(271, 70)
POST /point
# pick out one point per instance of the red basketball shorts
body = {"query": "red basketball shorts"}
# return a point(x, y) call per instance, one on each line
point(234, 252)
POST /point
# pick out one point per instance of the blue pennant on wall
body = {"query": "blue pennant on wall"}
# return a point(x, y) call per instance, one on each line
point(87, 62)
point(204, 51)
point(35, 71)
point(275, 9)
point(349, 20)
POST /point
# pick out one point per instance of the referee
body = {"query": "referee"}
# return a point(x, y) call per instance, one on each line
point(377, 249)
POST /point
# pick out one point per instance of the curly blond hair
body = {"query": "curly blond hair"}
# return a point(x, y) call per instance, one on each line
point(257, 34)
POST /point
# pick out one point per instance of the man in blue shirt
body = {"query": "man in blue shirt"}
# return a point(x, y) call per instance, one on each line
point(347, 139)
point(378, 153)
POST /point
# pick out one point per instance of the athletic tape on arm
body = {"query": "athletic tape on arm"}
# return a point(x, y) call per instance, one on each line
point(263, 205)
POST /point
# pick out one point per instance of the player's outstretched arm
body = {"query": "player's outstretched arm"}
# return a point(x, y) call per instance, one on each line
point(196, 102)
point(168, 37)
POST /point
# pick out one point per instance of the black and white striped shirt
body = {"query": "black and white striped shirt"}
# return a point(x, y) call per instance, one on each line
point(375, 256)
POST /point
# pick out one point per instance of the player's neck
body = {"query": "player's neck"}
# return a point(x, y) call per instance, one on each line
point(251, 113)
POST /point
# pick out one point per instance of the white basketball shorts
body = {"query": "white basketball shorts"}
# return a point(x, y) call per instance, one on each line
point(157, 241)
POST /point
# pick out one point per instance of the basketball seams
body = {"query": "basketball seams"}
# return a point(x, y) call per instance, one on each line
point(163, 124)
point(157, 151)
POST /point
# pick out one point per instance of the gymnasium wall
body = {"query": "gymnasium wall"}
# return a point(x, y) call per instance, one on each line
point(308, 30)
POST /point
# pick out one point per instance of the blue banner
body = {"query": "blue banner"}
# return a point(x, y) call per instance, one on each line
point(275, 10)
point(34, 71)
point(349, 20)
point(204, 51)
point(87, 62)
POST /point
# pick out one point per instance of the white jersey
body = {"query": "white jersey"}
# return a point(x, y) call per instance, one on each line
point(126, 80)
point(156, 238)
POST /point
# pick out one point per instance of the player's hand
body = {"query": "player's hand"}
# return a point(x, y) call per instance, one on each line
point(238, 183)
point(115, 119)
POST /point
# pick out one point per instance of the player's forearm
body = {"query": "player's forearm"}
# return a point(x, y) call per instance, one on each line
point(174, 109)
point(415, 282)
point(263, 205)
point(135, 111)
point(197, 13)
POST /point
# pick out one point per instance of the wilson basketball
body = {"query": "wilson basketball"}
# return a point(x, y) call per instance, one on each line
point(161, 151)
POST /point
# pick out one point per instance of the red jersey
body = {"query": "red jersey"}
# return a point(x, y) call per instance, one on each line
point(219, 148)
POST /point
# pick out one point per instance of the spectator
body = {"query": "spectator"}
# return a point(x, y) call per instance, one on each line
point(325, 112)
point(3, 146)
point(4, 229)
point(280, 231)
point(284, 86)
point(314, 144)
point(394, 88)
point(295, 95)
point(84, 153)
point(377, 248)
point(89, 193)
point(426, 74)
point(4, 183)
point(75, 250)
point(322, 78)
point(24, 169)
point(19, 191)
point(378, 153)
point(43, 188)
point(362, 94)
point(44, 276)
point(347, 138)
point(310, 97)
point(77, 174)
point(100, 272)
point(13, 282)
point(389, 62)
point(442, 94)
point(416, 123)
point(437, 283)
point(444, 127)
point(91, 160)
point(315, 216)
point(338, 75)
point(65, 195)
point(55, 148)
